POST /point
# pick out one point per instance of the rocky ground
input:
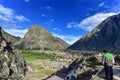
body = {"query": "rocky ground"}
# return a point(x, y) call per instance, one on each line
point(116, 74)
point(41, 69)
point(12, 63)
point(92, 65)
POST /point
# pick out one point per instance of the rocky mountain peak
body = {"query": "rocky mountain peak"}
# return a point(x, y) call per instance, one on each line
point(36, 27)
point(38, 37)
point(35, 31)
point(12, 63)
point(105, 36)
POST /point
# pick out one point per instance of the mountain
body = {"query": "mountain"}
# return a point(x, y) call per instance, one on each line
point(12, 63)
point(105, 36)
point(10, 38)
point(39, 38)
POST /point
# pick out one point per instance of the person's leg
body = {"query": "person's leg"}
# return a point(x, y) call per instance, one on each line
point(106, 72)
point(111, 73)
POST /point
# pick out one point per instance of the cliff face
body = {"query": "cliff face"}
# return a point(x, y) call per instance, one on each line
point(38, 37)
point(10, 38)
point(105, 36)
point(12, 63)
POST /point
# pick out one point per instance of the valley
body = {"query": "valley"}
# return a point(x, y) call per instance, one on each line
point(41, 56)
point(59, 39)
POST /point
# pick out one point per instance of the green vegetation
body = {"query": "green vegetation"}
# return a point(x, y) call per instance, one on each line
point(42, 70)
point(37, 48)
point(24, 48)
point(31, 56)
point(82, 75)
point(39, 67)
point(47, 72)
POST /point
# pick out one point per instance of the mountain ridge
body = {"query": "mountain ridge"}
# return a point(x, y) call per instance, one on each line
point(10, 38)
point(39, 37)
point(105, 36)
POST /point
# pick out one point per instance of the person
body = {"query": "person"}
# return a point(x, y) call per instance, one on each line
point(0, 34)
point(108, 61)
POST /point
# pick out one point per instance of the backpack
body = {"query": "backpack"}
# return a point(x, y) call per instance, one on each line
point(108, 59)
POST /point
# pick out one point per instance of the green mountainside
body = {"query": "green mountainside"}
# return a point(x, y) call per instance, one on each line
point(105, 36)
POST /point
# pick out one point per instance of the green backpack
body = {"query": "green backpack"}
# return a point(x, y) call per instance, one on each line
point(108, 59)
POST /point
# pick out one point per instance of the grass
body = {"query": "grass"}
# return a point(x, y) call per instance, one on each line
point(39, 67)
point(47, 72)
point(32, 56)
point(42, 70)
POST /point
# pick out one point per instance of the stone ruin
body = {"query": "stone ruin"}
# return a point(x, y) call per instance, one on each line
point(12, 63)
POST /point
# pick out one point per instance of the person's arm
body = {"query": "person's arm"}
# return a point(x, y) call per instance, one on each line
point(113, 60)
point(103, 60)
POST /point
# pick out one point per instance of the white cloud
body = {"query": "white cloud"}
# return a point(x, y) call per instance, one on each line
point(9, 17)
point(48, 7)
point(101, 4)
point(105, 5)
point(3, 18)
point(17, 32)
point(21, 18)
point(56, 29)
point(52, 20)
point(116, 7)
point(6, 11)
point(72, 25)
point(91, 22)
point(68, 38)
point(27, 0)
point(43, 15)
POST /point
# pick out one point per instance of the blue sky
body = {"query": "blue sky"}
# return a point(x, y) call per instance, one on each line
point(67, 19)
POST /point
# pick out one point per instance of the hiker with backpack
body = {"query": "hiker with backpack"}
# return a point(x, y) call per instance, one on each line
point(108, 61)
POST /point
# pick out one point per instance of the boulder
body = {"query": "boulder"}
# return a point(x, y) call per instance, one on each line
point(12, 63)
